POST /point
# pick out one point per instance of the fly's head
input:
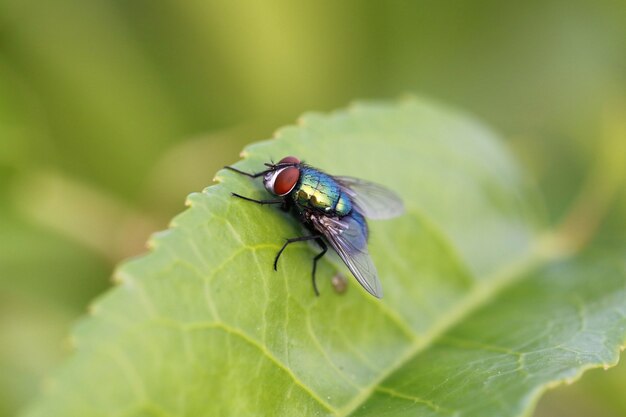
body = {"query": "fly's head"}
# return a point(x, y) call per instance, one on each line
point(282, 177)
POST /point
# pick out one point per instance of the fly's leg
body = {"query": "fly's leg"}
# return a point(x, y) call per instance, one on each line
point(322, 245)
point(319, 241)
point(288, 242)
point(262, 202)
point(248, 174)
point(255, 175)
point(282, 201)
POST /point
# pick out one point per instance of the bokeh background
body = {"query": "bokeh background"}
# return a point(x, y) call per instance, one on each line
point(112, 111)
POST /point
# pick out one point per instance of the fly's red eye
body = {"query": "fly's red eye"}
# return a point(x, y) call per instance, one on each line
point(286, 180)
point(289, 160)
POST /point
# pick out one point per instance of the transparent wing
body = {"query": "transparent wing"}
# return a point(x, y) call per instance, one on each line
point(373, 200)
point(348, 237)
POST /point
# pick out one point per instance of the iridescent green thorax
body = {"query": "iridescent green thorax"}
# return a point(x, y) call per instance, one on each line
point(319, 191)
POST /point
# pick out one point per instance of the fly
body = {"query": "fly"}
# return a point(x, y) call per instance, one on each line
point(333, 209)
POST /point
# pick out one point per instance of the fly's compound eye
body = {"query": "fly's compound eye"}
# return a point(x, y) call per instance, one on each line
point(289, 160)
point(285, 180)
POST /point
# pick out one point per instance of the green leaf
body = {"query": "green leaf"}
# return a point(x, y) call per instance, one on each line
point(477, 320)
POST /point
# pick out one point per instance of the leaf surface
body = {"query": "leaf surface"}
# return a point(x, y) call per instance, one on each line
point(477, 318)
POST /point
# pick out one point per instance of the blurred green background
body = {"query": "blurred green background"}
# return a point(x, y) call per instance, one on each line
point(111, 112)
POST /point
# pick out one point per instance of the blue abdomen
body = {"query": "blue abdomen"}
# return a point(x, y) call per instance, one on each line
point(362, 224)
